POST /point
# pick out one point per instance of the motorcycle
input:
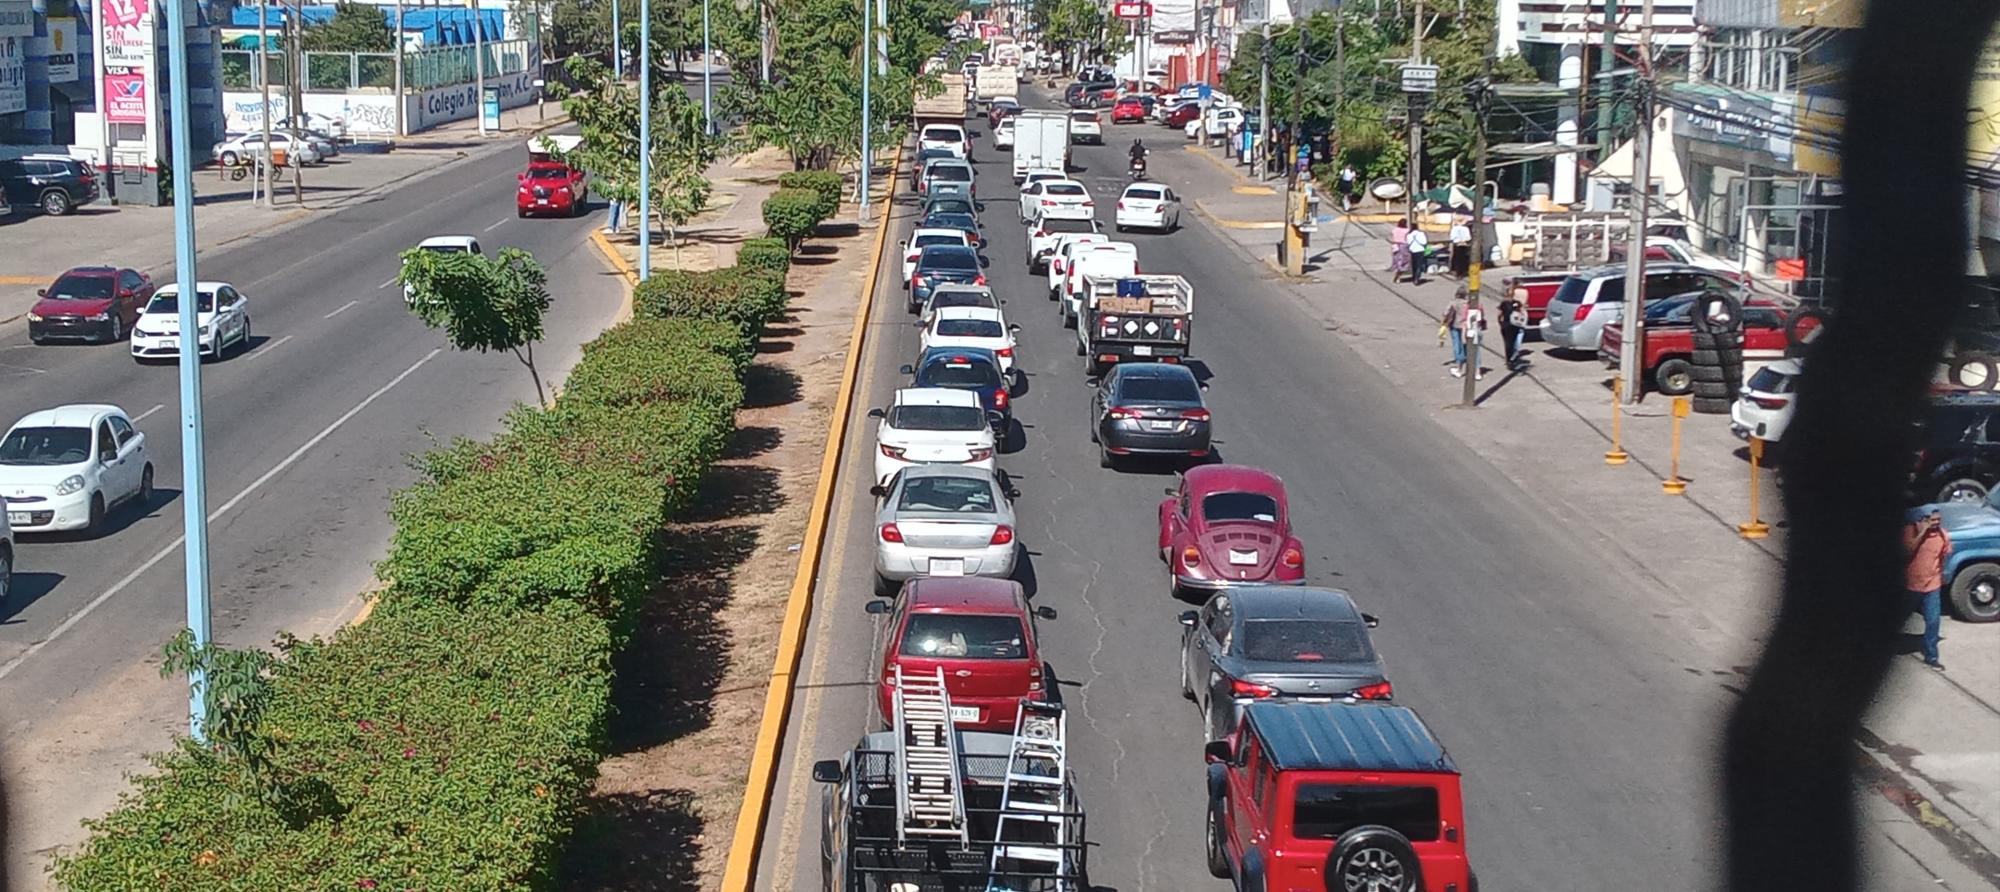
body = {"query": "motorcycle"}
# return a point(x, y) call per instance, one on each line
point(1139, 168)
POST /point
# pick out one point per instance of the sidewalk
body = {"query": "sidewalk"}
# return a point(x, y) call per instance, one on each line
point(1548, 429)
point(143, 237)
point(735, 213)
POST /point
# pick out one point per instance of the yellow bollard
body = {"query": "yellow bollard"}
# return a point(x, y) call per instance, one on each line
point(1756, 528)
point(1674, 485)
point(1617, 454)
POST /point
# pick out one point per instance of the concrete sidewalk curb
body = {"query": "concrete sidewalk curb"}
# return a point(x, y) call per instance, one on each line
point(1226, 223)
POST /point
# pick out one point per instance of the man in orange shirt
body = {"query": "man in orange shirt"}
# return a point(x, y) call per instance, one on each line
point(1928, 546)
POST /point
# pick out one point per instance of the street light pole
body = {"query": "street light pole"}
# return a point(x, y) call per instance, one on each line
point(263, 171)
point(401, 127)
point(645, 139)
point(194, 482)
point(479, 64)
point(707, 74)
point(1482, 101)
point(1263, 100)
point(867, 84)
point(617, 44)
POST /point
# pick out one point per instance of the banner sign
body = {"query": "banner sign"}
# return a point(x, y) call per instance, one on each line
point(60, 48)
point(125, 97)
point(128, 33)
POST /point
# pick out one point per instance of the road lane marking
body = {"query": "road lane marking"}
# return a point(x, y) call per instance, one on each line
point(343, 309)
point(161, 555)
point(392, 281)
point(23, 368)
point(148, 413)
point(503, 222)
point(272, 346)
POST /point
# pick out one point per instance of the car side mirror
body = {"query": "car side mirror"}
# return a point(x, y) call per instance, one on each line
point(906, 369)
point(41, 292)
point(1013, 326)
point(1171, 491)
point(1092, 382)
point(1203, 385)
point(1371, 620)
point(1188, 618)
point(827, 771)
point(1045, 612)
point(877, 607)
point(877, 413)
point(878, 490)
point(1217, 751)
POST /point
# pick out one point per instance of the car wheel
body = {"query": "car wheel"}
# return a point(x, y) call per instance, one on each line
point(1104, 457)
point(1375, 858)
point(1975, 592)
point(6, 573)
point(55, 202)
point(1962, 490)
point(1674, 377)
point(1213, 722)
point(243, 343)
point(117, 329)
point(1069, 321)
point(145, 495)
point(228, 159)
point(37, 341)
point(96, 521)
point(886, 587)
point(1218, 860)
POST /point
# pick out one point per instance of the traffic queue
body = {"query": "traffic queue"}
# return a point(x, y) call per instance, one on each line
point(967, 783)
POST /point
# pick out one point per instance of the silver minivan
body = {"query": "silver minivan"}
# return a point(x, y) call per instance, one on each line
point(1574, 321)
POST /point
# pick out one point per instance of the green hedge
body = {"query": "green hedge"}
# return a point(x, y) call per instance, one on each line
point(793, 214)
point(448, 742)
point(769, 255)
point(826, 183)
point(744, 298)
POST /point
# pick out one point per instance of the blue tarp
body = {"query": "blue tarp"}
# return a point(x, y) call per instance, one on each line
point(439, 27)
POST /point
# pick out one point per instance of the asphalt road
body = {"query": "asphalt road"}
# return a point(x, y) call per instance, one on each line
point(1582, 719)
point(307, 433)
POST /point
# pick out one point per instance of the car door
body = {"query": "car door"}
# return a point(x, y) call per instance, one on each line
point(237, 309)
point(110, 466)
point(1173, 207)
point(1098, 400)
point(131, 453)
point(1216, 631)
point(133, 292)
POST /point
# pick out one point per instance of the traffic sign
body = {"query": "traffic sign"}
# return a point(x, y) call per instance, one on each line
point(1420, 78)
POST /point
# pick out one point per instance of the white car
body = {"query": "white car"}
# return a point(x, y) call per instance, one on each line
point(334, 126)
point(449, 244)
point(1066, 245)
point(1086, 126)
point(65, 468)
point(1003, 133)
point(949, 137)
point(1048, 227)
point(956, 294)
point(1148, 206)
point(942, 520)
point(932, 425)
point(983, 327)
point(1102, 259)
point(1764, 407)
point(924, 237)
point(1219, 119)
point(223, 314)
point(1059, 196)
point(245, 146)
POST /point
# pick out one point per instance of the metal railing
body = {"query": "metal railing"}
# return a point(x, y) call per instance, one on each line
point(337, 72)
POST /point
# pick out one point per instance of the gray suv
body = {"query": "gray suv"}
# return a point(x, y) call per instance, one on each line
point(1581, 306)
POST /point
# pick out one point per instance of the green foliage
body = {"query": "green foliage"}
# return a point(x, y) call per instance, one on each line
point(826, 183)
point(1071, 25)
point(767, 255)
point(792, 214)
point(353, 28)
point(481, 304)
point(743, 298)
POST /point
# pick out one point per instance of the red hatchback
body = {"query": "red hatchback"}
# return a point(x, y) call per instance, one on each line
point(551, 187)
point(1128, 108)
point(90, 303)
point(1179, 115)
point(1228, 525)
point(980, 631)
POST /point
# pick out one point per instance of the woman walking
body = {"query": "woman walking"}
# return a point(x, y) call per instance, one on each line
point(1399, 258)
point(1419, 247)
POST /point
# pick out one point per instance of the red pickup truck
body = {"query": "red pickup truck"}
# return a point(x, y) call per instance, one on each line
point(1666, 355)
point(1535, 289)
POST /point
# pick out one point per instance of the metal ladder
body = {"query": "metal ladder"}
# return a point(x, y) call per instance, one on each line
point(928, 787)
point(1029, 838)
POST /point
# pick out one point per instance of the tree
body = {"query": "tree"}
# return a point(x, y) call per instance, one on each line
point(353, 28)
point(481, 304)
point(813, 114)
point(682, 153)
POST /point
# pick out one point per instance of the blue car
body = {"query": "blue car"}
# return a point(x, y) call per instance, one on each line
point(967, 368)
point(1972, 572)
point(938, 264)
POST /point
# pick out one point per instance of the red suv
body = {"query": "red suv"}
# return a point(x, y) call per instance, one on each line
point(1295, 803)
point(551, 187)
point(90, 303)
point(1179, 115)
point(980, 632)
point(1128, 108)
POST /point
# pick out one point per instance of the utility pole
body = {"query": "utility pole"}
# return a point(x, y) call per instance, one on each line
point(263, 170)
point(1416, 119)
point(707, 75)
point(1482, 104)
point(194, 476)
point(1295, 238)
point(764, 44)
point(479, 64)
point(646, 139)
point(1263, 96)
point(1607, 62)
point(295, 44)
point(617, 44)
point(402, 127)
point(1635, 244)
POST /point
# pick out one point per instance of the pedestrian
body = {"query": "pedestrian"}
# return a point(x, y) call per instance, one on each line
point(1461, 248)
point(1452, 325)
point(1928, 545)
point(1513, 329)
point(1399, 257)
point(1418, 246)
point(1348, 182)
point(1473, 321)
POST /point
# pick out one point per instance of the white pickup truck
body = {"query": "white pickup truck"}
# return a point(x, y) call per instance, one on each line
point(1051, 225)
point(1134, 317)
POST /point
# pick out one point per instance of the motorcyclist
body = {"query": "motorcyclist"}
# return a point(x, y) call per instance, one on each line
point(1138, 152)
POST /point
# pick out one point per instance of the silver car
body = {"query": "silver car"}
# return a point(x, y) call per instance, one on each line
point(1579, 310)
point(1260, 642)
point(943, 520)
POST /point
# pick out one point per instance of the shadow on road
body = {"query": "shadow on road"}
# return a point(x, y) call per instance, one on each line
point(28, 588)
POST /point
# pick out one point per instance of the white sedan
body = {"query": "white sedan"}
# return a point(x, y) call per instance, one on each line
point(65, 468)
point(223, 314)
point(932, 425)
point(1003, 133)
point(1086, 127)
point(1041, 196)
point(924, 237)
point(982, 327)
point(1148, 206)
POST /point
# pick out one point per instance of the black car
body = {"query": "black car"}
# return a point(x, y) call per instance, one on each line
point(54, 183)
point(1958, 449)
point(1148, 408)
point(939, 264)
point(1284, 642)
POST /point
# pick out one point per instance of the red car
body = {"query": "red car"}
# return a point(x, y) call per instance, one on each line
point(1128, 108)
point(999, 110)
point(1227, 525)
point(1666, 341)
point(1179, 115)
point(552, 187)
point(980, 631)
point(90, 303)
point(1337, 795)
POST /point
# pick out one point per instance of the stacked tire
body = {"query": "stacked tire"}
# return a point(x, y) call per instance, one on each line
point(1718, 352)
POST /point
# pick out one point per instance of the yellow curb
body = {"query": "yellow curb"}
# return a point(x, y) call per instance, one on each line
point(624, 269)
point(368, 602)
point(25, 280)
point(1370, 218)
point(1253, 190)
point(1204, 152)
point(740, 871)
point(1237, 224)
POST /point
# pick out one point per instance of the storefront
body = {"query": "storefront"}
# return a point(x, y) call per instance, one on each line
point(1747, 198)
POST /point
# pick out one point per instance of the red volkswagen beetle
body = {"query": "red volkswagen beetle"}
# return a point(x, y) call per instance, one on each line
point(1229, 524)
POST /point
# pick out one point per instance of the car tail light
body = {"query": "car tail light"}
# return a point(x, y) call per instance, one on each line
point(1195, 414)
point(1293, 558)
point(1089, 203)
point(1582, 310)
point(979, 280)
point(1000, 398)
point(1007, 352)
point(1378, 691)
point(1040, 233)
point(891, 534)
point(1058, 265)
point(916, 281)
point(1034, 678)
point(1770, 402)
point(979, 455)
point(1121, 205)
point(893, 451)
point(1122, 412)
point(1191, 556)
point(1002, 535)
point(1240, 688)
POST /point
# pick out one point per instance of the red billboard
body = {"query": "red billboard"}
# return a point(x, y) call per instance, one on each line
point(1132, 9)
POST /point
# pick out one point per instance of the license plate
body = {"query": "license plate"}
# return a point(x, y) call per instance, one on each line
point(947, 566)
point(20, 517)
point(1142, 351)
point(541, 201)
point(1246, 558)
point(1161, 425)
point(965, 713)
point(1312, 700)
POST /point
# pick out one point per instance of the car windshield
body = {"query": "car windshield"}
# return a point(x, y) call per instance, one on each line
point(962, 374)
point(1225, 506)
point(951, 173)
point(939, 238)
point(952, 495)
point(1151, 389)
point(1305, 641)
point(969, 328)
point(1328, 811)
point(45, 446)
point(951, 221)
point(941, 134)
point(1064, 189)
point(951, 206)
point(548, 173)
point(1066, 225)
point(81, 288)
point(964, 636)
point(950, 260)
point(960, 298)
point(937, 418)
point(169, 303)
point(1770, 380)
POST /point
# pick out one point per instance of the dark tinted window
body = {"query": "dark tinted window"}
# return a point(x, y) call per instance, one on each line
point(1571, 291)
point(961, 374)
point(935, 259)
point(950, 221)
point(937, 418)
point(1762, 317)
point(167, 303)
point(1240, 506)
point(951, 173)
point(965, 636)
point(81, 287)
point(1064, 225)
point(1325, 811)
point(1309, 641)
point(969, 328)
point(951, 206)
point(45, 446)
point(1150, 389)
point(924, 241)
point(962, 495)
point(547, 173)
point(1769, 380)
point(942, 299)
point(1064, 189)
